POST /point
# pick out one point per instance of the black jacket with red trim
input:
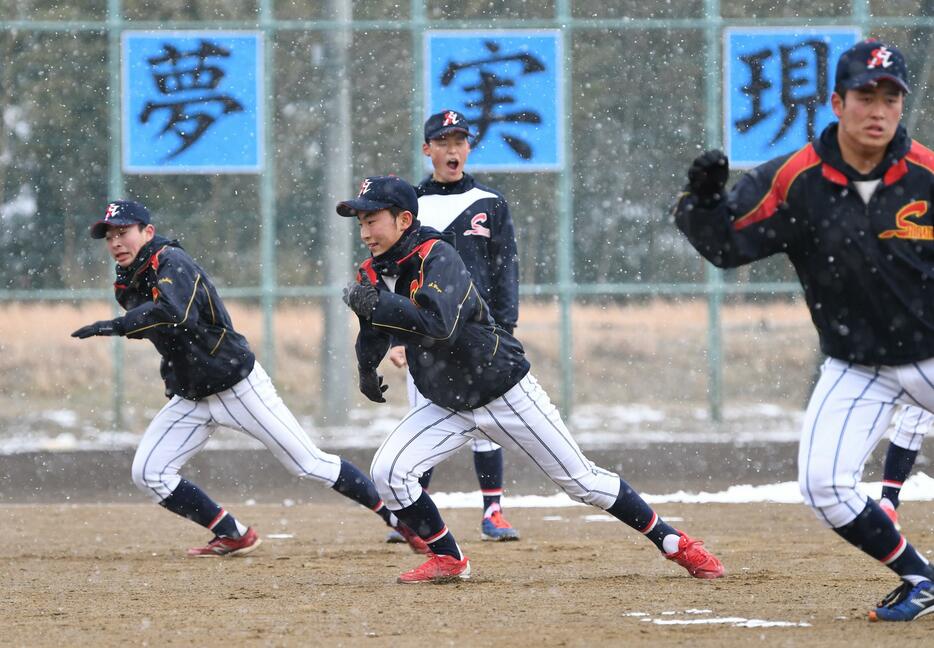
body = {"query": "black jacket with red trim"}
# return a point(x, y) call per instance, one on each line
point(458, 356)
point(867, 269)
point(484, 236)
point(171, 302)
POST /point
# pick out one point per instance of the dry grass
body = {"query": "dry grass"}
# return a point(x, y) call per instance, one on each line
point(654, 352)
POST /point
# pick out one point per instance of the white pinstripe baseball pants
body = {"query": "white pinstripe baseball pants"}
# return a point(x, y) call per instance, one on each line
point(523, 419)
point(182, 428)
point(848, 414)
point(416, 398)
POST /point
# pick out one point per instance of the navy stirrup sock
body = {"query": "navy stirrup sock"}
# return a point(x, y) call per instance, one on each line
point(898, 464)
point(423, 518)
point(191, 502)
point(352, 483)
point(629, 508)
point(874, 533)
point(489, 467)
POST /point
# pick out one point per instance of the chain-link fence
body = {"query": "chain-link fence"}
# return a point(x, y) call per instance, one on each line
point(616, 305)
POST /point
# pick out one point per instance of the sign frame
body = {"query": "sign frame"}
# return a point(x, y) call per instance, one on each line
point(134, 162)
point(432, 103)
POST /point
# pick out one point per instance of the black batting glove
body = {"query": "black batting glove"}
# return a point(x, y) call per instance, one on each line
point(707, 177)
point(371, 385)
point(361, 297)
point(103, 327)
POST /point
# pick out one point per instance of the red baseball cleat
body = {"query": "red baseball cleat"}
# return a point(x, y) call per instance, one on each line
point(416, 544)
point(223, 546)
point(438, 569)
point(699, 562)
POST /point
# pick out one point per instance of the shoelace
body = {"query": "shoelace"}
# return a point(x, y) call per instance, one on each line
point(896, 596)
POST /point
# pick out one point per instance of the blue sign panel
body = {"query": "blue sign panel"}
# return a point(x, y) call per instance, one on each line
point(509, 85)
point(192, 102)
point(776, 88)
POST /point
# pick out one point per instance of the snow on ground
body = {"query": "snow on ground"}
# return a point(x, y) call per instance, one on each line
point(919, 487)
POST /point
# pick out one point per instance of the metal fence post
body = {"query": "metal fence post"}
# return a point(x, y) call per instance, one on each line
point(565, 201)
point(334, 361)
point(267, 192)
point(714, 275)
point(115, 186)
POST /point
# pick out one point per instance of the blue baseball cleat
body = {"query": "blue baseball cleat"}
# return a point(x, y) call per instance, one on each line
point(496, 528)
point(906, 602)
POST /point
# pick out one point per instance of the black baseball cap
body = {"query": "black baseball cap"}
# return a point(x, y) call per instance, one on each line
point(869, 62)
point(381, 192)
point(444, 122)
point(120, 213)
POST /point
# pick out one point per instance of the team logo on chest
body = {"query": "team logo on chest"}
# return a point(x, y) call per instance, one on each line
point(477, 227)
point(905, 229)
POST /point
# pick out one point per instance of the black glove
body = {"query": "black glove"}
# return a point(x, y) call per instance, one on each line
point(371, 385)
point(103, 327)
point(707, 177)
point(361, 297)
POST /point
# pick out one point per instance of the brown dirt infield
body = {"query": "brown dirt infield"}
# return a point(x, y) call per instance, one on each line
point(115, 575)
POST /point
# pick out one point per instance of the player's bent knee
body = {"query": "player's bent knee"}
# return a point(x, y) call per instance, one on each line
point(157, 482)
point(591, 489)
point(833, 503)
point(397, 487)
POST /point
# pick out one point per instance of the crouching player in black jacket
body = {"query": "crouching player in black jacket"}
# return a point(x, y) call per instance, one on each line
point(476, 380)
point(211, 378)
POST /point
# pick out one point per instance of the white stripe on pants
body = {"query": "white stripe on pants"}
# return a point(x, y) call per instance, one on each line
point(848, 414)
point(182, 428)
point(523, 419)
point(416, 398)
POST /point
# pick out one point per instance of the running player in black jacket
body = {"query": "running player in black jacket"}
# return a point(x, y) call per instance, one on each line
point(475, 380)
point(211, 378)
point(852, 211)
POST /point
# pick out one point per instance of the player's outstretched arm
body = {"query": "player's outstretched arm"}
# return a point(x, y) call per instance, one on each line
point(102, 327)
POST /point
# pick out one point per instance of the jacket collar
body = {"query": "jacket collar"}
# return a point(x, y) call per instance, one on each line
point(388, 262)
point(128, 275)
point(431, 186)
point(889, 169)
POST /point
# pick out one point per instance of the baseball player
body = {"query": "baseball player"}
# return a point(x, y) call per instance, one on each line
point(851, 211)
point(211, 378)
point(477, 217)
point(911, 425)
point(475, 381)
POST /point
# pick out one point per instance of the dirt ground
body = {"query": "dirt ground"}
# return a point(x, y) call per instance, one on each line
point(116, 575)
